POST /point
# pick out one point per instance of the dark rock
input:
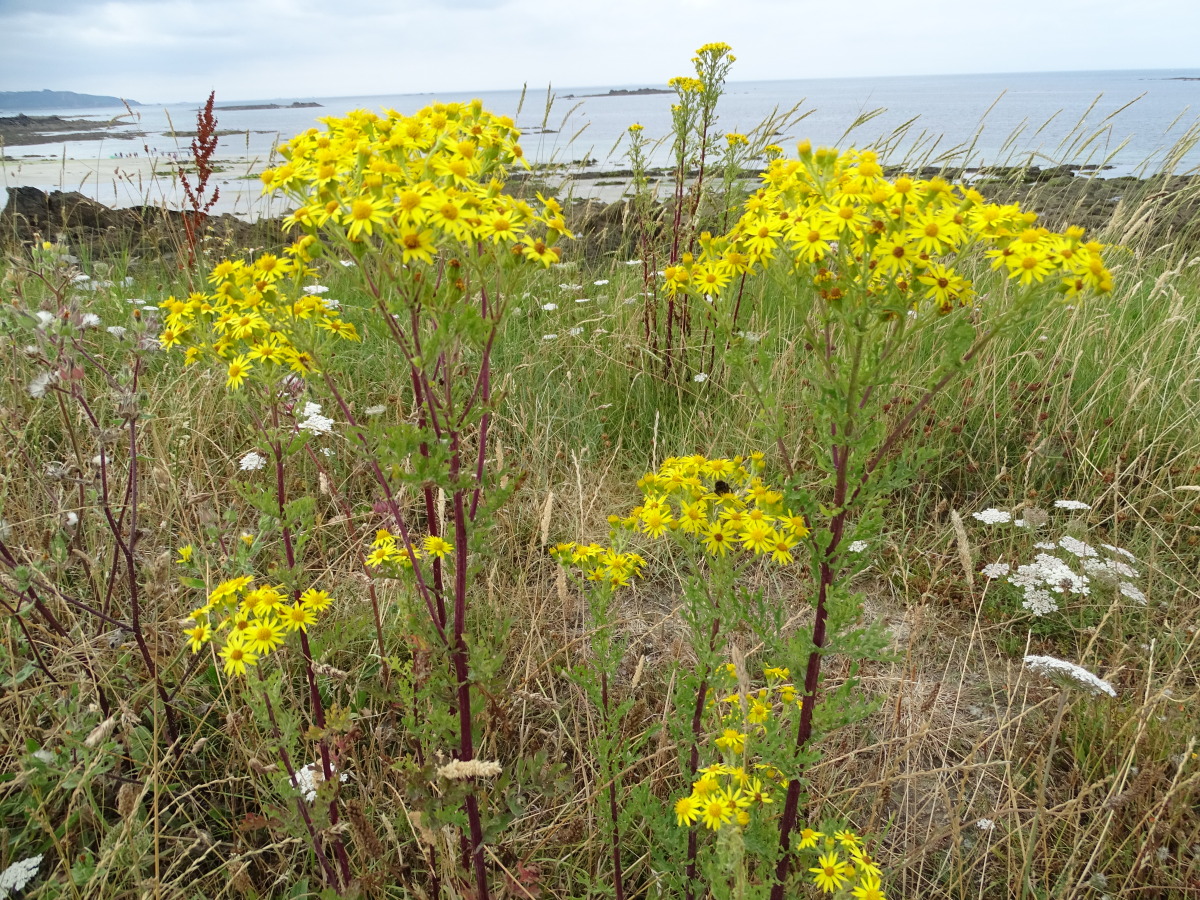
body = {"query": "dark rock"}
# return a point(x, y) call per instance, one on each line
point(93, 229)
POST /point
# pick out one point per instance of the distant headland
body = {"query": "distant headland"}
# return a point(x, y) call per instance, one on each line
point(47, 99)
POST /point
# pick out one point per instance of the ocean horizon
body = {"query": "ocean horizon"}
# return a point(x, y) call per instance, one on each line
point(1126, 122)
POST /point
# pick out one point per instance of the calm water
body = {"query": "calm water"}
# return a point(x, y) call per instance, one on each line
point(1131, 117)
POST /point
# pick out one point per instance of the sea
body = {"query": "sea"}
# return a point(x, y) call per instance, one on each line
point(1135, 122)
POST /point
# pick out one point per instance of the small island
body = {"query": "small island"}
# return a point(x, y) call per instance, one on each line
point(297, 105)
point(622, 92)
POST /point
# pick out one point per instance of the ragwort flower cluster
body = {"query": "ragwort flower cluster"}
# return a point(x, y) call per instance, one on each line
point(599, 563)
point(258, 316)
point(248, 622)
point(837, 218)
point(723, 504)
point(389, 553)
point(422, 183)
point(730, 793)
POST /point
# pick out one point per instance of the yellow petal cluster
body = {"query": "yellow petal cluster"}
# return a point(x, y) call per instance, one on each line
point(893, 243)
point(387, 551)
point(424, 184)
point(722, 504)
point(257, 317)
point(599, 563)
point(248, 622)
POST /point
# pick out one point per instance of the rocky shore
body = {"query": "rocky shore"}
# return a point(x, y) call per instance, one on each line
point(1143, 213)
point(23, 130)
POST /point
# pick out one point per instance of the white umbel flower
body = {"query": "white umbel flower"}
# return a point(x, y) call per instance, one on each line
point(252, 462)
point(1071, 504)
point(1068, 674)
point(19, 874)
point(1079, 548)
point(996, 570)
point(993, 516)
point(313, 421)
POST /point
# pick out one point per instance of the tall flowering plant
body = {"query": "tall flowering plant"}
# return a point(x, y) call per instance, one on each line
point(870, 269)
point(414, 206)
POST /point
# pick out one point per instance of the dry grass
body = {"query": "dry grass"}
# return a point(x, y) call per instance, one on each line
point(1106, 410)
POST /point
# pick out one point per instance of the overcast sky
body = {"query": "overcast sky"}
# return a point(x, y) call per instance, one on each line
point(179, 50)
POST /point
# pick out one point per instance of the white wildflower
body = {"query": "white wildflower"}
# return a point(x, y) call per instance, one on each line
point(45, 319)
point(117, 331)
point(633, 262)
point(1109, 569)
point(19, 874)
point(857, 546)
point(1071, 504)
point(1077, 547)
point(375, 410)
point(630, 300)
point(1050, 572)
point(583, 299)
point(47, 756)
point(549, 337)
point(315, 289)
point(458, 770)
point(252, 462)
point(992, 516)
point(700, 377)
point(1039, 601)
point(549, 307)
point(985, 825)
point(1131, 591)
point(89, 320)
point(600, 282)
point(1045, 545)
point(331, 304)
point(996, 570)
point(71, 519)
point(1068, 674)
point(346, 262)
point(1020, 523)
point(327, 451)
point(311, 777)
point(571, 287)
point(313, 421)
point(1120, 551)
point(575, 332)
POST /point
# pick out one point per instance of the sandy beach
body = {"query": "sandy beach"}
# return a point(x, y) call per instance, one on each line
point(138, 181)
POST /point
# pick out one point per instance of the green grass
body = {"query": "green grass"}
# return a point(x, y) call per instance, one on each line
point(1097, 403)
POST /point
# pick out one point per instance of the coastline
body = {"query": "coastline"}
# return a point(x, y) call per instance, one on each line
point(153, 181)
